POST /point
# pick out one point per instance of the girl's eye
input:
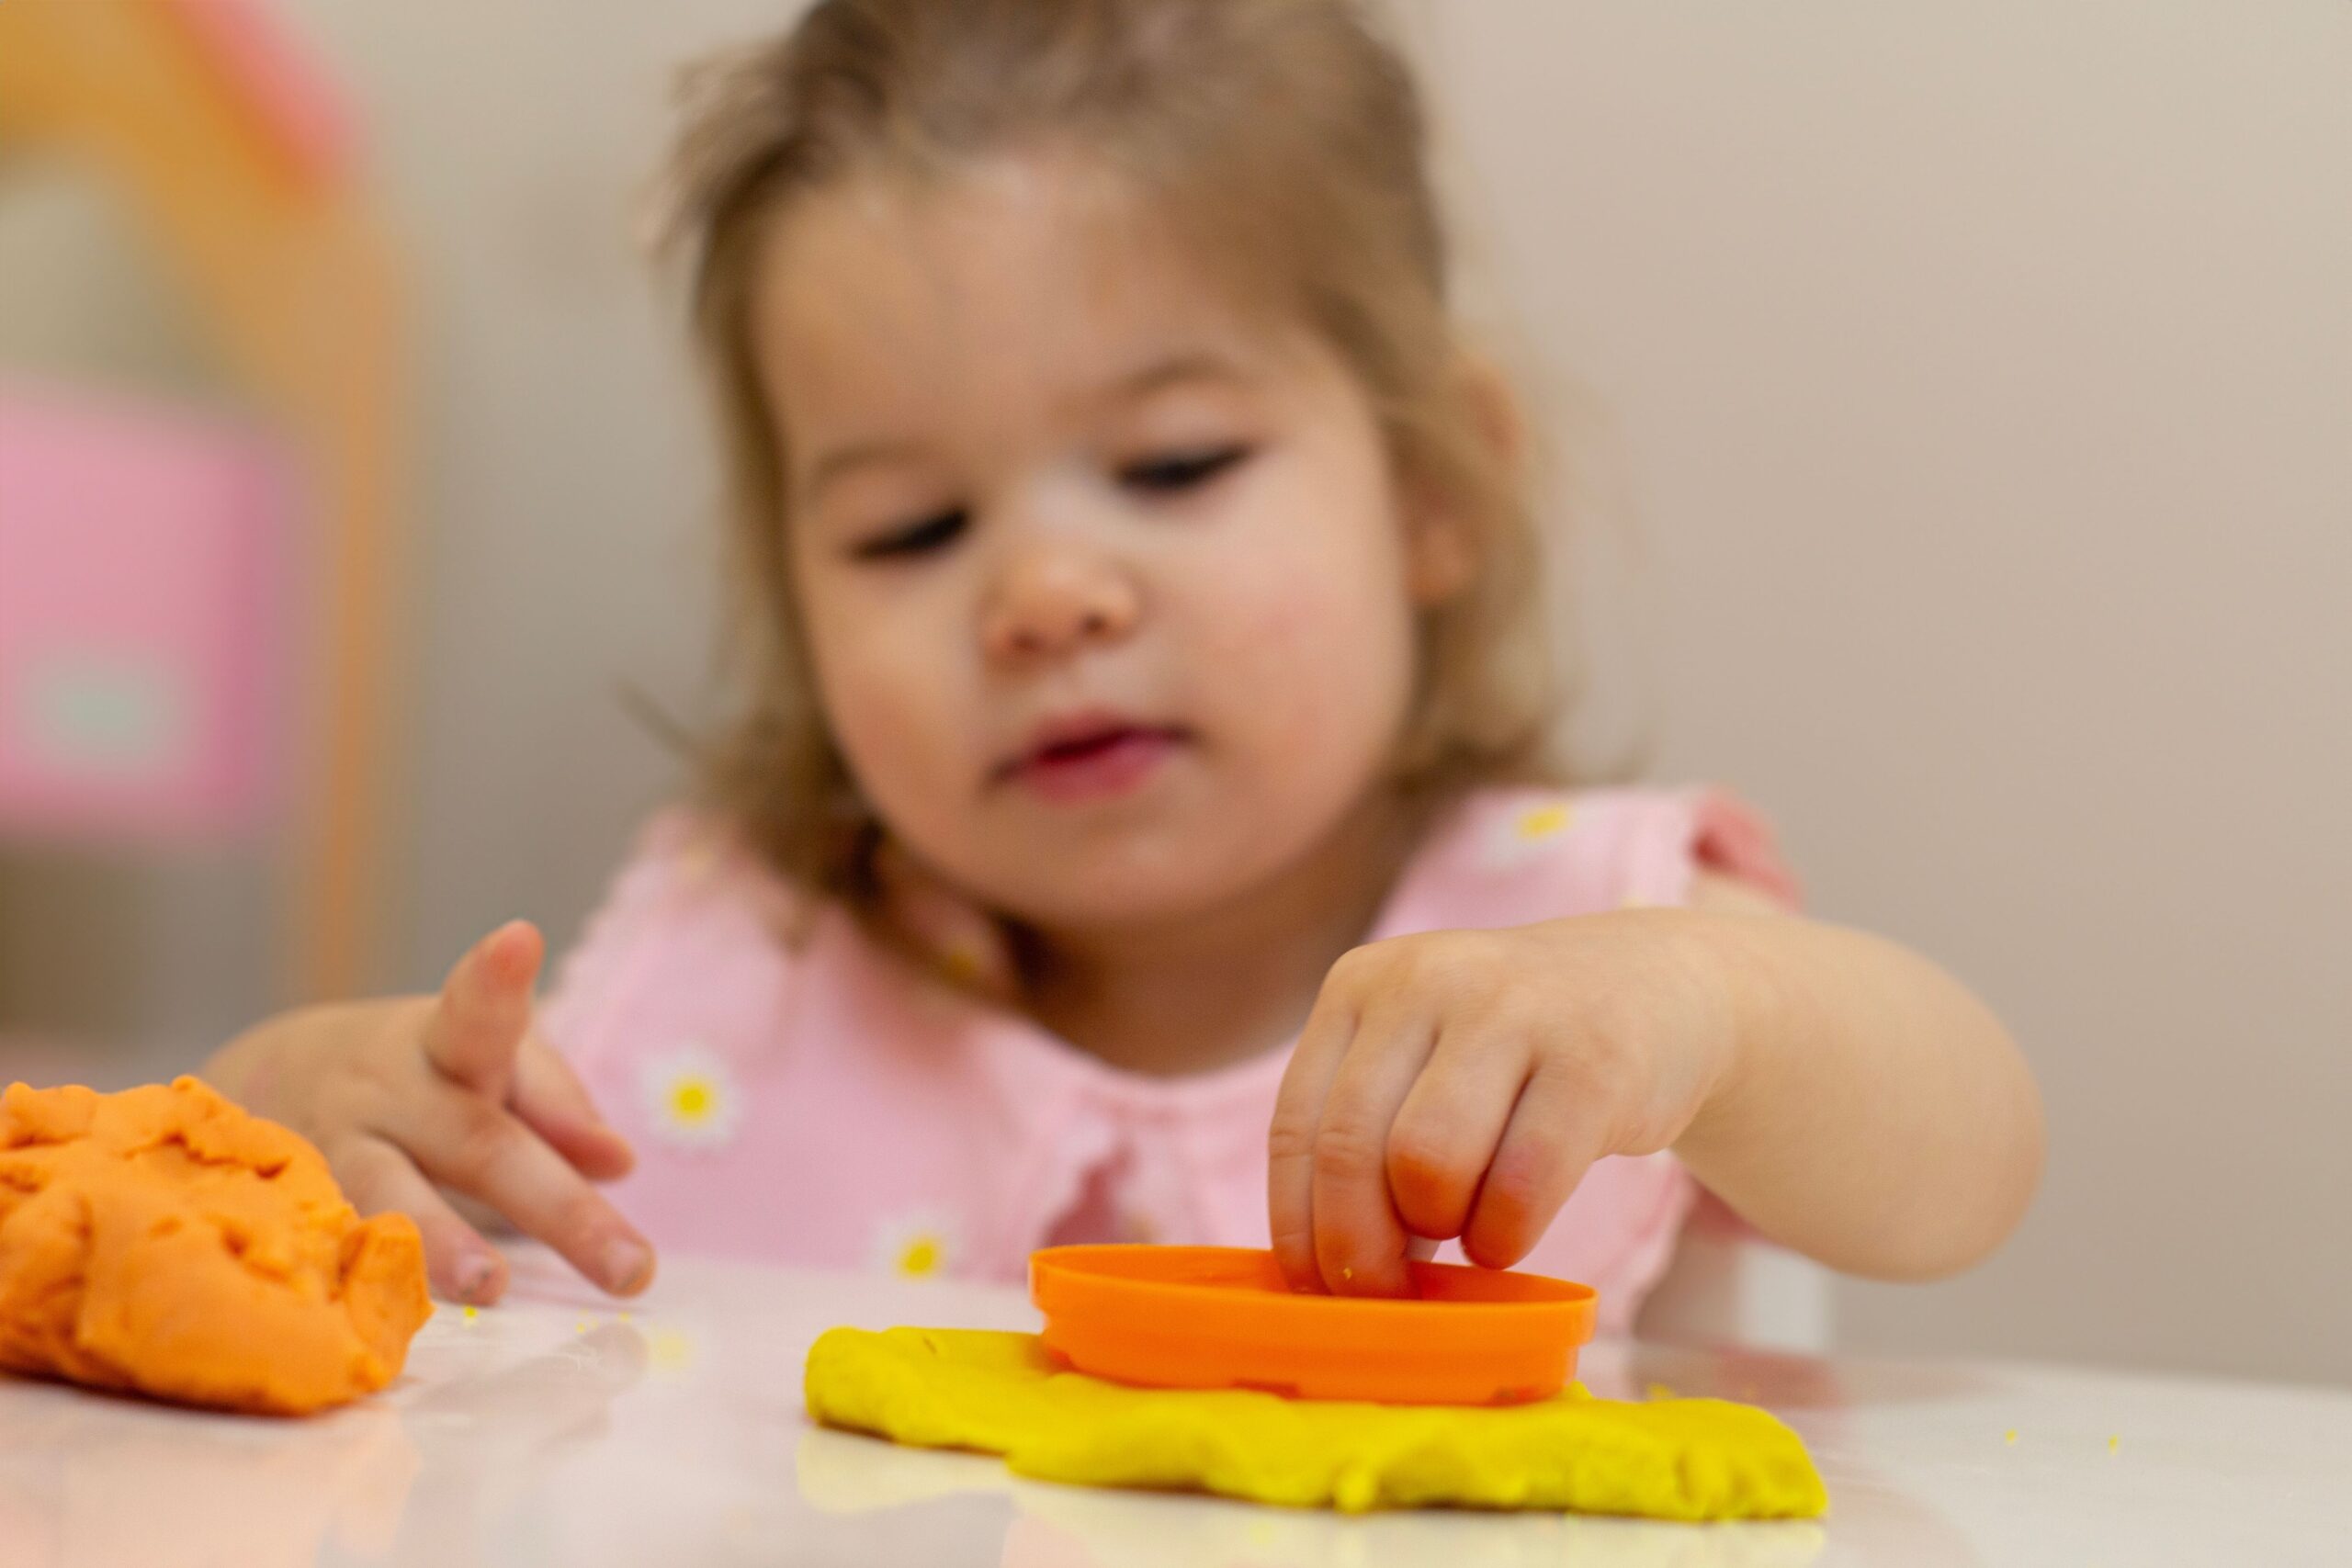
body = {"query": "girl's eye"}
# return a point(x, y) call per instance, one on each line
point(916, 540)
point(1182, 471)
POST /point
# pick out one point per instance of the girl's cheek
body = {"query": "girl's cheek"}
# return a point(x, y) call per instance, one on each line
point(880, 683)
point(1313, 652)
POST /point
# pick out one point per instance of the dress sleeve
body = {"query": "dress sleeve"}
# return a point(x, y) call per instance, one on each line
point(1683, 832)
point(1731, 836)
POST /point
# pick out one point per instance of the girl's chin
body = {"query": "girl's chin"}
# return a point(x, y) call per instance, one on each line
point(1075, 890)
point(1112, 902)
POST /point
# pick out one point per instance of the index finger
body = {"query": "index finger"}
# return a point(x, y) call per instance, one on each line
point(485, 1010)
point(1290, 1141)
point(1359, 1239)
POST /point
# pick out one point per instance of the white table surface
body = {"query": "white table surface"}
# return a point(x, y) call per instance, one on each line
point(555, 1429)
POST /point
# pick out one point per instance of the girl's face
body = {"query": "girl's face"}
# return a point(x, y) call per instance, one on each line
point(1109, 588)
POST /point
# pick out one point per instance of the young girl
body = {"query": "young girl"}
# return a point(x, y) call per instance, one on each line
point(1140, 824)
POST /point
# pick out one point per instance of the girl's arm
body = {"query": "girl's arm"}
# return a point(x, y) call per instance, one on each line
point(1844, 1095)
point(1874, 1114)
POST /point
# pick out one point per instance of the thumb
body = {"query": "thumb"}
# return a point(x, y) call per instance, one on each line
point(485, 1010)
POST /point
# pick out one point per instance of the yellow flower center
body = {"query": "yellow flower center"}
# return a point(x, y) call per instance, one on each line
point(692, 1100)
point(1542, 821)
point(921, 1255)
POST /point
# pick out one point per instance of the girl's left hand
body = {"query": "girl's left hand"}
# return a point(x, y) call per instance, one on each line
point(1459, 1083)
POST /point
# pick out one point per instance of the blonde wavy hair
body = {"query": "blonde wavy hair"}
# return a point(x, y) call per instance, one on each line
point(1285, 139)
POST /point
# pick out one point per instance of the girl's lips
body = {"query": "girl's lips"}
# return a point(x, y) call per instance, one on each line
point(1097, 764)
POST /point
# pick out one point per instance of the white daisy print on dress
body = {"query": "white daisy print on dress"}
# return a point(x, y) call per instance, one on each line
point(1528, 830)
point(692, 1098)
point(915, 1246)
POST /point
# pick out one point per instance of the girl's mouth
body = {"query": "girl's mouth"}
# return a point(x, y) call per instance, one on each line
point(1092, 758)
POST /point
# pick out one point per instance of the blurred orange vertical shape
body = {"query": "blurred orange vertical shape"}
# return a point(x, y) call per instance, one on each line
point(234, 153)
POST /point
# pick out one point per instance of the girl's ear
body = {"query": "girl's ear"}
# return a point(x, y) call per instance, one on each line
point(1502, 423)
point(1440, 556)
point(1443, 549)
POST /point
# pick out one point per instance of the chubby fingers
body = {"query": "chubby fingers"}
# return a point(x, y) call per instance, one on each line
point(551, 1101)
point(484, 1010)
point(1449, 1127)
point(1334, 1226)
point(377, 1176)
point(1557, 1131)
point(1490, 1143)
point(1422, 1103)
point(472, 1145)
point(1360, 1239)
point(1291, 1139)
point(478, 1035)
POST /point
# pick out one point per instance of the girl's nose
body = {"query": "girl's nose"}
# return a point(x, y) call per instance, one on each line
point(1052, 604)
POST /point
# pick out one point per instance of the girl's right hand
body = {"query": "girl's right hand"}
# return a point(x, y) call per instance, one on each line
point(411, 1096)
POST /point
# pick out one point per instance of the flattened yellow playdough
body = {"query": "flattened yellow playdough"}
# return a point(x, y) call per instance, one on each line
point(1003, 1394)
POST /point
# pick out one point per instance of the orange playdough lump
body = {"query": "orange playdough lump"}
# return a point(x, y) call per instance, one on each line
point(163, 1242)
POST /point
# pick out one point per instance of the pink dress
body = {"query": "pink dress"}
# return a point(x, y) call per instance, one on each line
point(821, 1103)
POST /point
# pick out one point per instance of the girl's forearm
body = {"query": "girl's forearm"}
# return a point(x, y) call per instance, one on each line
point(1874, 1114)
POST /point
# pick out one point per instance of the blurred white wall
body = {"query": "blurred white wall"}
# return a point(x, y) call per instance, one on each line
point(1976, 379)
point(1981, 377)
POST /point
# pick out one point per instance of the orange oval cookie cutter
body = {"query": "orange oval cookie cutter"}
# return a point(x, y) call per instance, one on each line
point(1224, 1317)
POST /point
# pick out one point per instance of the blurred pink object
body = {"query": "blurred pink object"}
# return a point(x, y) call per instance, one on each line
point(140, 619)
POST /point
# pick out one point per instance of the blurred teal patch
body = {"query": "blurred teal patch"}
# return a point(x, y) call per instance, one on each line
point(106, 715)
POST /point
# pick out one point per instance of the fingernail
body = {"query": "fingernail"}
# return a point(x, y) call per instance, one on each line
point(627, 1263)
point(473, 1278)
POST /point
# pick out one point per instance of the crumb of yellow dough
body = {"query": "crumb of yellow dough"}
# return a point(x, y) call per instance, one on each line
point(2011, 1436)
point(2113, 1444)
point(162, 1241)
point(1004, 1393)
point(470, 1313)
